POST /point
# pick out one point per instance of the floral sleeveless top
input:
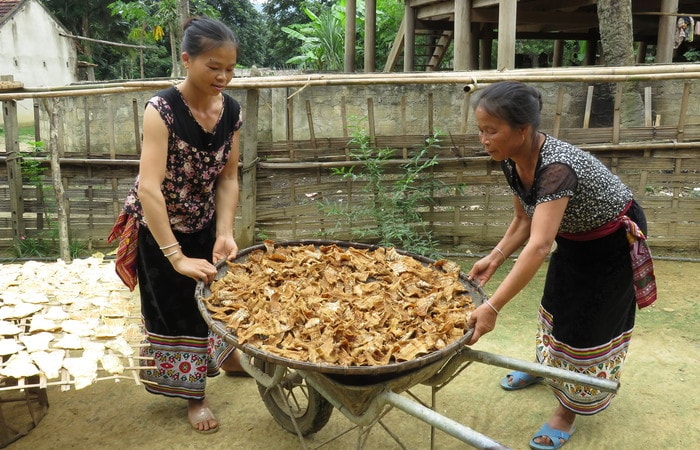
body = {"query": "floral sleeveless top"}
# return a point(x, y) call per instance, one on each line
point(195, 159)
point(597, 196)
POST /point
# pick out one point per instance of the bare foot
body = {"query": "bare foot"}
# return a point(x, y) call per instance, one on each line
point(200, 416)
point(232, 364)
point(562, 420)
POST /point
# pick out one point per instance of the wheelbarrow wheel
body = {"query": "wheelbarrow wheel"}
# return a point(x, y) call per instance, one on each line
point(293, 401)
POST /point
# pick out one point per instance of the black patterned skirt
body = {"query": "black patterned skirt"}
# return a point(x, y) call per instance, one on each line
point(182, 351)
point(587, 314)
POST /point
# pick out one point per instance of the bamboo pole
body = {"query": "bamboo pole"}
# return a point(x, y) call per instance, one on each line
point(621, 147)
point(578, 74)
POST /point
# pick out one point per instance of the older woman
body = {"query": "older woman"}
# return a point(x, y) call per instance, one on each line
point(601, 268)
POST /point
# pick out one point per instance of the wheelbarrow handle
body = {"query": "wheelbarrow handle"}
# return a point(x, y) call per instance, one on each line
point(468, 354)
point(259, 375)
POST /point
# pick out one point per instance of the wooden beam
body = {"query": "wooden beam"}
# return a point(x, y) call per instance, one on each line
point(393, 58)
point(558, 19)
point(409, 46)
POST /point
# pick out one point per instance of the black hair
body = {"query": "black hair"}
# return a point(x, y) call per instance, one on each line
point(202, 34)
point(513, 102)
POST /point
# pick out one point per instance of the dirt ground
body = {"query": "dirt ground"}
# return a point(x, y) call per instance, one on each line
point(657, 405)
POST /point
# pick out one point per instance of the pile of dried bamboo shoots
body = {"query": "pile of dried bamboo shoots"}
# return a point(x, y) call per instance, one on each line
point(341, 305)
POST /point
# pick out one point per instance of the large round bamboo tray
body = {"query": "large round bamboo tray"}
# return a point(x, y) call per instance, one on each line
point(202, 291)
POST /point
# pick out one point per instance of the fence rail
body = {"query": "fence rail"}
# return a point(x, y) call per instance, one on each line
point(292, 175)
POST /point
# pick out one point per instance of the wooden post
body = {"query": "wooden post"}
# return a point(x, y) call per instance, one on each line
point(507, 15)
point(641, 52)
point(245, 231)
point(647, 107)
point(486, 48)
point(37, 122)
point(683, 112)
point(589, 106)
point(14, 170)
point(350, 35)
point(667, 28)
point(617, 113)
point(558, 53)
point(137, 125)
point(462, 38)
point(560, 107)
point(370, 35)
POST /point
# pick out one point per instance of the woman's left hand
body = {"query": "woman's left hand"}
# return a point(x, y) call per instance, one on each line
point(224, 248)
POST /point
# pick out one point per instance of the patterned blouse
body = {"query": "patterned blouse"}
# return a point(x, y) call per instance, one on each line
point(596, 195)
point(195, 159)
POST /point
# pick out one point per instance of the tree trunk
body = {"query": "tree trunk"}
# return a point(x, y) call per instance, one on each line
point(617, 40)
point(61, 198)
point(175, 70)
point(183, 13)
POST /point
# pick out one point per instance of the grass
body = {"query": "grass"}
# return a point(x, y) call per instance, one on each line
point(26, 133)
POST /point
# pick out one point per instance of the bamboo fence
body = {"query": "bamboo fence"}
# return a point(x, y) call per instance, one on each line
point(284, 181)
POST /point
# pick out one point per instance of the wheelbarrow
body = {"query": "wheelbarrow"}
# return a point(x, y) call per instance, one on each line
point(301, 396)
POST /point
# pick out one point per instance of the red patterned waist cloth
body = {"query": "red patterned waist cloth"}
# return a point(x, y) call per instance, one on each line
point(640, 255)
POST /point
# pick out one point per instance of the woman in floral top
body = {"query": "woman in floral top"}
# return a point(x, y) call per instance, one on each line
point(178, 218)
point(601, 268)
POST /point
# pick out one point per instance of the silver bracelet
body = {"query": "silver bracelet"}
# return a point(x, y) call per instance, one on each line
point(172, 253)
point(501, 252)
point(169, 246)
point(491, 306)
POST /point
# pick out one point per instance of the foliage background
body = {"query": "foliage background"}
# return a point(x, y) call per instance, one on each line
point(262, 28)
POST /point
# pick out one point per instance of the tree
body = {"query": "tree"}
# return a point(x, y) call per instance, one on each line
point(283, 13)
point(617, 41)
point(249, 26)
point(92, 19)
point(157, 18)
point(323, 34)
point(323, 44)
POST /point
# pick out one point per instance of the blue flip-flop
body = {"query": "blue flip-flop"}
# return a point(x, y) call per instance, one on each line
point(520, 380)
point(557, 437)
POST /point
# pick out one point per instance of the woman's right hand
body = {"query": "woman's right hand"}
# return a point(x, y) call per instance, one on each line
point(483, 269)
point(196, 268)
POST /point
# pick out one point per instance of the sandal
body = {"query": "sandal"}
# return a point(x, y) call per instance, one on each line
point(519, 380)
point(558, 437)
